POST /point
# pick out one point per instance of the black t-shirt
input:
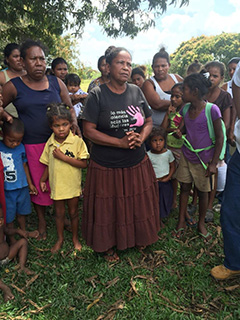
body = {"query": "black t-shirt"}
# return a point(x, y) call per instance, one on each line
point(115, 114)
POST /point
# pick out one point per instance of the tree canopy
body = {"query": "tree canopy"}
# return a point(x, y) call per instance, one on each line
point(221, 47)
point(44, 18)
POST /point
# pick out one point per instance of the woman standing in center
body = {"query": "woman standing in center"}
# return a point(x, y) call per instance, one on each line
point(157, 89)
point(120, 196)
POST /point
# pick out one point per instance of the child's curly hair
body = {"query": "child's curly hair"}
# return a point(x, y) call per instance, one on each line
point(157, 131)
point(58, 110)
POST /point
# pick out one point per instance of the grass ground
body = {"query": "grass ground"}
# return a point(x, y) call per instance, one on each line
point(168, 280)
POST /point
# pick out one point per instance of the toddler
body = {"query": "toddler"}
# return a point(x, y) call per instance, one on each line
point(64, 156)
point(164, 166)
point(77, 95)
point(17, 179)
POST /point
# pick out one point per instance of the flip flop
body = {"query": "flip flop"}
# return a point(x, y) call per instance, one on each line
point(111, 256)
point(207, 237)
point(178, 233)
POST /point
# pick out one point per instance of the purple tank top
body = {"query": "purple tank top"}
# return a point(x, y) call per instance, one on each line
point(32, 106)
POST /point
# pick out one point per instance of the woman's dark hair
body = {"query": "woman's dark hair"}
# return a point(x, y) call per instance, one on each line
point(233, 60)
point(178, 85)
point(57, 61)
point(158, 131)
point(216, 64)
point(194, 67)
point(72, 78)
point(162, 53)
point(139, 70)
point(114, 52)
point(58, 110)
point(29, 44)
point(108, 50)
point(9, 49)
point(100, 60)
point(16, 126)
point(198, 81)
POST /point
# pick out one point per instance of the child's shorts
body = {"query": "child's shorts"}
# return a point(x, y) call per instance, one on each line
point(17, 201)
point(188, 172)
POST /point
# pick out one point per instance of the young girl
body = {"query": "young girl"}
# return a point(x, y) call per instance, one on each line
point(190, 169)
point(64, 155)
point(171, 123)
point(223, 100)
point(164, 166)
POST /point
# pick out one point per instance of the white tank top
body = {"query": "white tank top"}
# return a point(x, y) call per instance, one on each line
point(157, 116)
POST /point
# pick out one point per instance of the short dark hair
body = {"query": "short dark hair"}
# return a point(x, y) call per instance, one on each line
point(178, 85)
point(162, 53)
point(216, 64)
point(9, 49)
point(233, 60)
point(29, 44)
point(16, 126)
point(59, 110)
point(113, 53)
point(194, 67)
point(72, 78)
point(57, 61)
point(140, 71)
point(100, 60)
point(158, 131)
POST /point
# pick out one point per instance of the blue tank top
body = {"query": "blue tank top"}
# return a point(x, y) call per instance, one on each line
point(32, 106)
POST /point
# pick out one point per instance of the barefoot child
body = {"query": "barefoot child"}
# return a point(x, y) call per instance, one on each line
point(17, 180)
point(64, 155)
point(171, 123)
point(20, 247)
point(164, 166)
point(194, 161)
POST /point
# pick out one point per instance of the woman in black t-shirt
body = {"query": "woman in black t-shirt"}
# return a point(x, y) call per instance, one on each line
point(120, 198)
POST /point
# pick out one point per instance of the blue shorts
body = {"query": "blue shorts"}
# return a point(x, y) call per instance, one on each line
point(17, 201)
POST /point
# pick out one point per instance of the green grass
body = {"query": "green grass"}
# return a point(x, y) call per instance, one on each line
point(169, 280)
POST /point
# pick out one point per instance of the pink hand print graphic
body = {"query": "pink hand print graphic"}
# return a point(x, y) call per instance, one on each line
point(135, 112)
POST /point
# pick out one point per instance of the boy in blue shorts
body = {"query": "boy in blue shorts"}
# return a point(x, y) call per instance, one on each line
point(17, 180)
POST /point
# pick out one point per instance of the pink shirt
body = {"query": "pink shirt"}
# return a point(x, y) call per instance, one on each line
point(197, 134)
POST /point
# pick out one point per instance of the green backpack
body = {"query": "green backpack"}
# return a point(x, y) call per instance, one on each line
point(211, 133)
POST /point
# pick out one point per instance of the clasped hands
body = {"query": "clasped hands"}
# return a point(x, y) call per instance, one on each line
point(132, 140)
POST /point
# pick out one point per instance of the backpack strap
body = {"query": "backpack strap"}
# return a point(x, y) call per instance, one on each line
point(209, 121)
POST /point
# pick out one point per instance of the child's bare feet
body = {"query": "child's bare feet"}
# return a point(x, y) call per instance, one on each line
point(7, 294)
point(77, 245)
point(26, 270)
point(42, 235)
point(57, 246)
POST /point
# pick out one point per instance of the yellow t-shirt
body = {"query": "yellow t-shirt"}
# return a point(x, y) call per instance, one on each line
point(64, 179)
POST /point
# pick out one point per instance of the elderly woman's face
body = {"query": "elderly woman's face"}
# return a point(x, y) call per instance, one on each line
point(35, 63)
point(121, 67)
point(14, 60)
point(160, 68)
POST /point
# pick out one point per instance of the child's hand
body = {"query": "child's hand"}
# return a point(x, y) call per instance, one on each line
point(171, 108)
point(58, 154)
point(177, 134)
point(211, 169)
point(33, 189)
point(43, 186)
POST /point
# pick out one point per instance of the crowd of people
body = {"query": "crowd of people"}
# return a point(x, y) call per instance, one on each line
point(139, 137)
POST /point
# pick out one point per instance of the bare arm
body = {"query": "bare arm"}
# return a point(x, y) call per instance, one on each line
point(172, 169)
point(32, 188)
point(236, 98)
point(43, 180)
point(217, 125)
point(153, 98)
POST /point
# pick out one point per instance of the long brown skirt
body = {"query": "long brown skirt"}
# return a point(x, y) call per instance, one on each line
point(120, 207)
